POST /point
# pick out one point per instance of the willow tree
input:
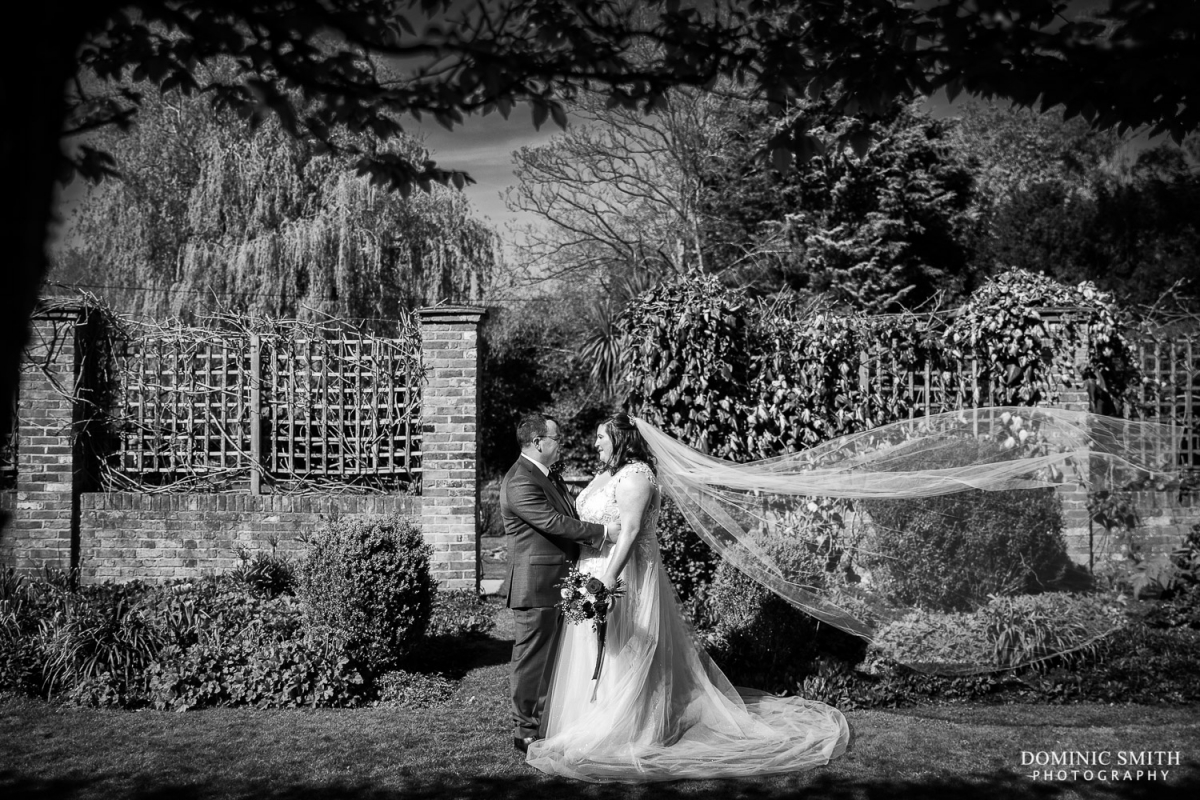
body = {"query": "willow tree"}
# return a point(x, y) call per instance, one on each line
point(209, 213)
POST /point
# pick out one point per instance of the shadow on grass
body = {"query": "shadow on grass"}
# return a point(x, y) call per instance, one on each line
point(456, 656)
point(1185, 783)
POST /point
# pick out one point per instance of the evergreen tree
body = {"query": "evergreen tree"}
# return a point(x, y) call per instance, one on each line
point(878, 224)
point(1063, 200)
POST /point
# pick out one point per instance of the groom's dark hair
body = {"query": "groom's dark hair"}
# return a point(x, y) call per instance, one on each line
point(531, 427)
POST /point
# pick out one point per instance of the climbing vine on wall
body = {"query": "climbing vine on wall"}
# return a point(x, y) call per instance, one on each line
point(747, 379)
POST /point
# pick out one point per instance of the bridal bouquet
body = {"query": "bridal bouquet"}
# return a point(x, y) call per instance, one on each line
point(586, 599)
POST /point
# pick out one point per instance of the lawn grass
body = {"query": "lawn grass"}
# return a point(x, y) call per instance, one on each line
point(463, 749)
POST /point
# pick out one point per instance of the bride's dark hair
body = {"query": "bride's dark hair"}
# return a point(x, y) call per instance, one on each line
point(627, 443)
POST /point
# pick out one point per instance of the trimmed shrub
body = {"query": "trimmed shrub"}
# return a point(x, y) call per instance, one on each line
point(368, 581)
point(952, 552)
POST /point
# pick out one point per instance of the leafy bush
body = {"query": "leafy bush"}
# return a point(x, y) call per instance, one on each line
point(1007, 632)
point(1135, 664)
point(181, 645)
point(267, 574)
point(369, 582)
point(1180, 610)
point(745, 379)
point(951, 552)
point(1031, 628)
point(412, 689)
point(761, 640)
point(228, 645)
point(922, 638)
point(102, 634)
point(256, 670)
point(460, 613)
point(689, 562)
point(21, 604)
point(1139, 664)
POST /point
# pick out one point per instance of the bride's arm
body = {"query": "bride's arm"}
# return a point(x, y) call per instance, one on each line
point(633, 494)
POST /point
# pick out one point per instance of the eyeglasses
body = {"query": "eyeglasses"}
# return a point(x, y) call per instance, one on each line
point(555, 438)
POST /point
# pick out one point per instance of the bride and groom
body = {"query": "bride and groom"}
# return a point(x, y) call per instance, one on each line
point(660, 709)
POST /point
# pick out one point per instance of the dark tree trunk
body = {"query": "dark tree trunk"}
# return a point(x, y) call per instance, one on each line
point(35, 65)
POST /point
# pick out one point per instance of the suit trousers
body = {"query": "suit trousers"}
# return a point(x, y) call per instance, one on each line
point(535, 642)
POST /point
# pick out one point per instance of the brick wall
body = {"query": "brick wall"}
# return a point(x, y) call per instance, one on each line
point(124, 535)
point(57, 522)
point(1166, 516)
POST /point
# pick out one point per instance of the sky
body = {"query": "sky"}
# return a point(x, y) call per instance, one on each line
point(483, 147)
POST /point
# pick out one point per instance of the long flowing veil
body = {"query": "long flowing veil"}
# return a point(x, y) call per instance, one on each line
point(903, 531)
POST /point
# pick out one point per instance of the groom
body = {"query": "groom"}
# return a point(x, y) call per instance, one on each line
point(544, 534)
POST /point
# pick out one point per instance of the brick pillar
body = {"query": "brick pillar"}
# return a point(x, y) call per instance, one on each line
point(450, 442)
point(1067, 380)
point(44, 530)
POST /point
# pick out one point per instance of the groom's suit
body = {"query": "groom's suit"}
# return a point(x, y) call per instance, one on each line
point(543, 533)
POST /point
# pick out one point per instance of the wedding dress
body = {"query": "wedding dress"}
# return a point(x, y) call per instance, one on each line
point(661, 709)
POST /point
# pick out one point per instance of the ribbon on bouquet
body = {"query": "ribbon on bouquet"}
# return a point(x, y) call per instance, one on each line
point(601, 635)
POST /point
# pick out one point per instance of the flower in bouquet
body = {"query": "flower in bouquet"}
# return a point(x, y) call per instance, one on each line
point(585, 598)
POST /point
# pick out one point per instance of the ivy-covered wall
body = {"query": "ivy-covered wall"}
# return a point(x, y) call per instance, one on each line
point(746, 378)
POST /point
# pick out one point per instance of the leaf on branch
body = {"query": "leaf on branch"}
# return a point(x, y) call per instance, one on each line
point(269, 97)
point(860, 142)
point(953, 89)
point(559, 115)
point(808, 147)
point(781, 158)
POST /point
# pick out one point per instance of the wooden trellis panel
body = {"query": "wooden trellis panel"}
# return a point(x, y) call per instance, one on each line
point(185, 412)
point(291, 412)
point(343, 408)
point(927, 388)
point(1172, 395)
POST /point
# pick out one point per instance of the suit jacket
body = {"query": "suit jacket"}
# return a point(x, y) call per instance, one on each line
point(543, 533)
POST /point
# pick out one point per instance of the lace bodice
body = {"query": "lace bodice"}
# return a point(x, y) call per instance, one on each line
point(598, 503)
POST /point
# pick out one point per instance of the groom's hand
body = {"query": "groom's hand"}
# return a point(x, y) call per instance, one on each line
point(611, 531)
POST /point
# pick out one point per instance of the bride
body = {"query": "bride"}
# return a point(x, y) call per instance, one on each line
point(661, 709)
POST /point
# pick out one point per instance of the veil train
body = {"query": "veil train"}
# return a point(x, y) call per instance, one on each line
point(860, 532)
